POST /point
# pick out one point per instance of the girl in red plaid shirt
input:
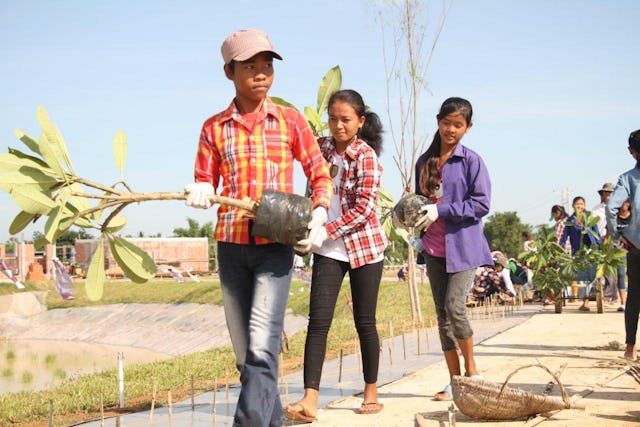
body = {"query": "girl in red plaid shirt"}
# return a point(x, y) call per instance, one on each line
point(352, 241)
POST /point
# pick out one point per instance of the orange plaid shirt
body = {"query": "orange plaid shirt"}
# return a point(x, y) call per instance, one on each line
point(245, 161)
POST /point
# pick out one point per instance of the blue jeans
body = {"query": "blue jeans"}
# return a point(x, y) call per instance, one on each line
point(449, 292)
point(255, 281)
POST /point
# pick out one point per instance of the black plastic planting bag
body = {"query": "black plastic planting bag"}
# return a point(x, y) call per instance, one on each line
point(282, 217)
point(407, 210)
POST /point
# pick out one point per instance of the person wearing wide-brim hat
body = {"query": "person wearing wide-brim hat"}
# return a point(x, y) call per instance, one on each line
point(598, 210)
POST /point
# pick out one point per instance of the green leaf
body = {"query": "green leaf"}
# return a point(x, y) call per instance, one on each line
point(72, 212)
point(120, 151)
point(27, 176)
point(65, 224)
point(116, 223)
point(81, 203)
point(10, 162)
point(45, 150)
point(29, 199)
point(38, 161)
point(51, 231)
point(280, 101)
point(315, 122)
point(56, 144)
point(135, 262)
point(21, 221)
point(62, 149)
point(30, 142)
point(385, 199)
point(330, 83)
point(94, 285)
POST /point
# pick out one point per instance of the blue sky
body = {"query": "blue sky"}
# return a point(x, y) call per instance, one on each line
point(554, 86)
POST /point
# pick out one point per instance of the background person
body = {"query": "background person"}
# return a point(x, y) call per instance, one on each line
point(599, 209)
point(255, 273)
point(573, 233)
point(628, 187)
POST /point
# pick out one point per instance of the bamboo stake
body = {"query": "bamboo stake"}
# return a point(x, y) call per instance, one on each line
point(101, 411)
point(340, 366)
point(426, 332)
point(51, 413)
point(153, 400)
point(404, 344)
point(215, 396)
point(170, 404)
point(193, 405)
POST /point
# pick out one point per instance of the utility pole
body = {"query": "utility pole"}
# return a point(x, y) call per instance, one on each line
point(566, 196)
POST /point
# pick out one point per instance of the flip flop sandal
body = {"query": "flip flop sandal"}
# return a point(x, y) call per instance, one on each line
point(447, 390)
point(368, 408)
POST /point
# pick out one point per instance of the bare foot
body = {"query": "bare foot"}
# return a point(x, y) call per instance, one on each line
point(631, 353)
point(301, 411)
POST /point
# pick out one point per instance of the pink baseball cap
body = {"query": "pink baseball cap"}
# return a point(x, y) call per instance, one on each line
point(244, 44)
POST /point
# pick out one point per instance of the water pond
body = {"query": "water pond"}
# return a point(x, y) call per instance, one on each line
point(32, 365)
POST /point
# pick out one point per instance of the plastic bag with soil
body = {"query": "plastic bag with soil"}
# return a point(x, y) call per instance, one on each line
point(407, 210)
point(282, 217)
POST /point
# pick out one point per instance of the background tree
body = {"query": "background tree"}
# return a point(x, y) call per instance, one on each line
point(406, 80)
point(70, 237)
point(503, 231)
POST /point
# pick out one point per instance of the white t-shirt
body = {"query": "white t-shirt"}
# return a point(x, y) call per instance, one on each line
point(599, 210)
point(335, 249)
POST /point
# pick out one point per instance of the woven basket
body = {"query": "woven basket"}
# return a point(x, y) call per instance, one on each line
point(481, 399)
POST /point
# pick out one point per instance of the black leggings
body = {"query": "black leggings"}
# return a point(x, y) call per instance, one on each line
point(632, 309)
point(326, 280)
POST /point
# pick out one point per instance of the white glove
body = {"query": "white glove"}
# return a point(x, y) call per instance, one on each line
point(319, 239)
point(318, 219)
point(430, 216)
point(198, 195)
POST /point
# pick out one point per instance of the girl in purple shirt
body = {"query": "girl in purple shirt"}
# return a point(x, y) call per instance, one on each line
point(456, 182)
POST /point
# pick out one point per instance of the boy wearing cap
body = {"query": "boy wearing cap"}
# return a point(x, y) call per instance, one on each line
point(245, 149)
point(628, 187)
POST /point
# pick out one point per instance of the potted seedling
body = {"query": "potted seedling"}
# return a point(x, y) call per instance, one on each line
point(552, 266)
point(604, 258)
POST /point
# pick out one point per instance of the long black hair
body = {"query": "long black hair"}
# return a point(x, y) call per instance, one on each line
point(371, 130)
point(559, 208)
point(429, 174)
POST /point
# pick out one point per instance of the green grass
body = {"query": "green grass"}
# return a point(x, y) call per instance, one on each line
point(27, 377)
point(77, 398)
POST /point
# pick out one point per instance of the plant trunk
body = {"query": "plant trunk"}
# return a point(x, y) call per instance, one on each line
point(416, 312)
point(599, 295)
point(558, 302)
